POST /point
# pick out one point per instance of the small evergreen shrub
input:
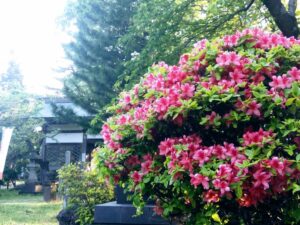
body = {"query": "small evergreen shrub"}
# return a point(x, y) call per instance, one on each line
point(84, 190)
point(216, 138)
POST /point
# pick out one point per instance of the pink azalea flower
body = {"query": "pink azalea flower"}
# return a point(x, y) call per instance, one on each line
point(219, 151)
point(231, 40)
point(161, 105)
point(158, 210)
point(196, 65)
point(122, 120)
point(197, 179)
point(185, 162)
point(106, 137)
point(245, 201)
point(137, 177)
point(205, 85)
point(127, 99)
point(146, 166)
point(211, 196)
point(231, 151)
point(224, 171)
point(114, 145)
point(264, 42)
point(237, 76)
point(201, 44)
point(254, 108)
point(201, 156)
point(211, 117)
point(280, 82)
point(262, 178)
point(136, 90)
point(183, 59)
point(294, 73)
point(225, 84)
point(121, 151)
point(222, 185)
point(179, 120)
point(147, 157)
point(187, 90)
point(166, 147)
point(228, 58)
point(176, 75)
point(276, 164)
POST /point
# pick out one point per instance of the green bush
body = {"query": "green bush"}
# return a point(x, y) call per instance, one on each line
point(84, 189)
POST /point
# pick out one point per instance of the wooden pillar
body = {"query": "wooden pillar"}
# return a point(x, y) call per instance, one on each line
point(43, 150)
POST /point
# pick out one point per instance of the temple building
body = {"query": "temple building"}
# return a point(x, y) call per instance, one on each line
point(62, 136)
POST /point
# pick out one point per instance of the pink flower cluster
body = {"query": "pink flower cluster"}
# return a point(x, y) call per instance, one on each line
point(267, 179)
point(263, 40)
point(187, 155)
point(259, 138)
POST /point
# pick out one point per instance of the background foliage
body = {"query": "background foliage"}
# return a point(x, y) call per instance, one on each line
point(114, 42)
point(18, 109)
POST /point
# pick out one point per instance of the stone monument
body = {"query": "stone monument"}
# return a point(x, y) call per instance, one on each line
point(122, 212)
point(32, 180)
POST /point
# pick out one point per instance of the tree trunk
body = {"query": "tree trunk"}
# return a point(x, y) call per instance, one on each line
point(286, 21)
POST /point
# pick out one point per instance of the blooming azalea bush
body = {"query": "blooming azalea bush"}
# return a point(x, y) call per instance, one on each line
point(216, 138)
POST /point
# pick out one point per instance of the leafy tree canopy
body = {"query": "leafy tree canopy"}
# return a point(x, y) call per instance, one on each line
point(162, 30)
point(17, 109)
point(114, 42)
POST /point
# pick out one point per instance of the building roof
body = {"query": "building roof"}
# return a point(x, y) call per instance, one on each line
point(47, 111)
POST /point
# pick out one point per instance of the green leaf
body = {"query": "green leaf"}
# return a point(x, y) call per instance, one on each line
point(239, 191)
point(295, 188)
point(295, 89)
point(289, 101)
point(249, 153)
point(290, 149)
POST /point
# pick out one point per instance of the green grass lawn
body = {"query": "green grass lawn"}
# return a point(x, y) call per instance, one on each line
point(27, 209)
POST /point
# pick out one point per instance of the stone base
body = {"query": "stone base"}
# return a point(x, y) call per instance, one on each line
point(112, 213)
point(31, 188)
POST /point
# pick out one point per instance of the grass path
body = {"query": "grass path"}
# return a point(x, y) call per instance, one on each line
point(26, 209)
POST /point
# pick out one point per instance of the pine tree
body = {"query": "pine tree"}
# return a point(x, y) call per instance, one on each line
point(94, 52)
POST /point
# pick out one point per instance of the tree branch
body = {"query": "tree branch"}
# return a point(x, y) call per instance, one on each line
point(285, 21)
point(292, 7)
point(246, 8)
point(231, 16)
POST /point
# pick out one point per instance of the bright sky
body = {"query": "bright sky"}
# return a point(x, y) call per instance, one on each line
point(29, 34)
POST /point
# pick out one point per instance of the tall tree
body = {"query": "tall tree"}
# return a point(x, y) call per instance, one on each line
point(284, 16)
point(95, 55)
point(17, 109)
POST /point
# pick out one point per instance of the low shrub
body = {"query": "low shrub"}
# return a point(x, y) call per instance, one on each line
point(84, 189)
